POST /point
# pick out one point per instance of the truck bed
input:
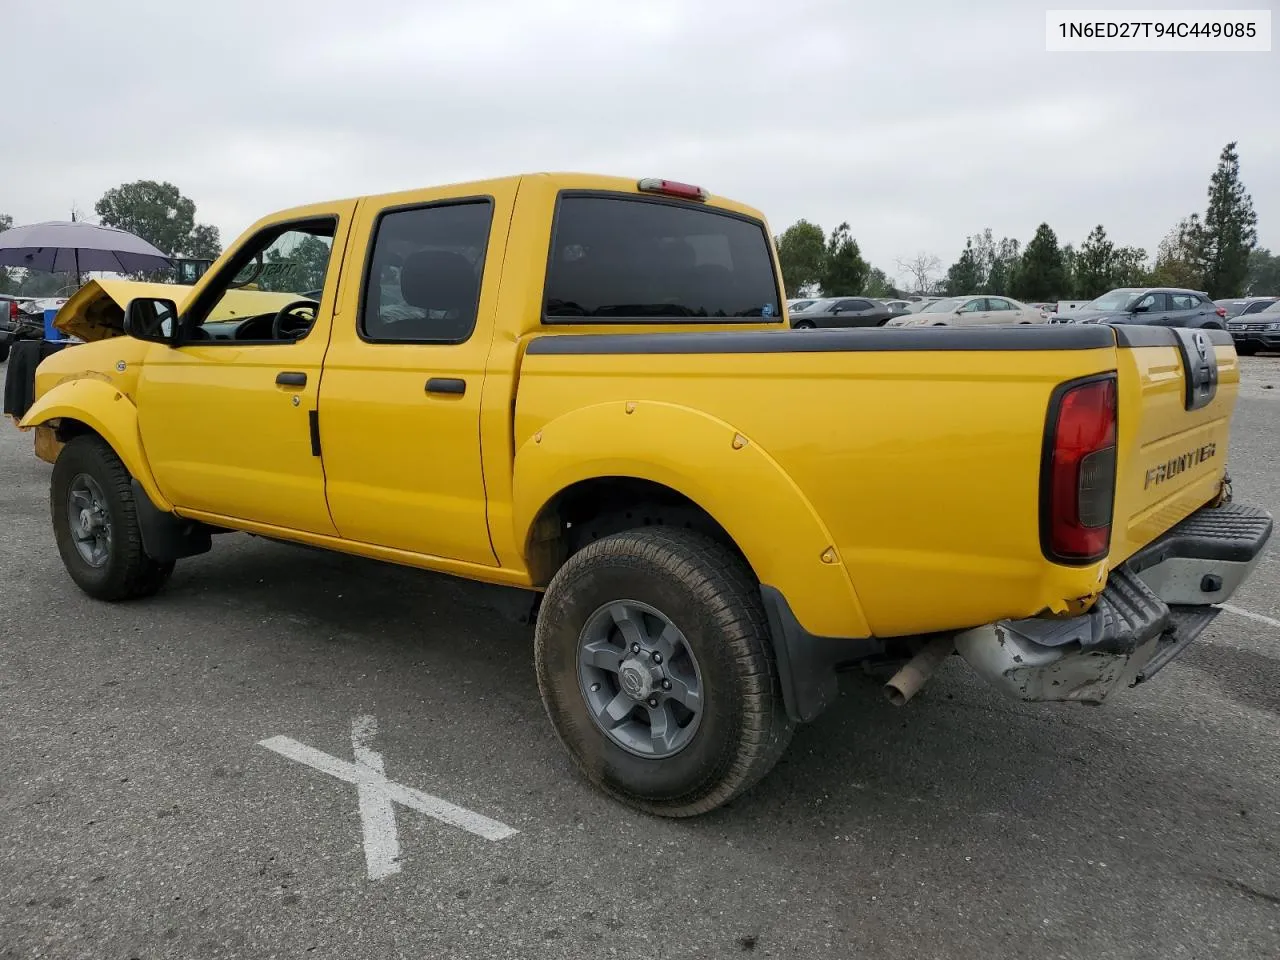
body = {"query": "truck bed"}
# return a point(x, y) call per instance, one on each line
point(919, 451)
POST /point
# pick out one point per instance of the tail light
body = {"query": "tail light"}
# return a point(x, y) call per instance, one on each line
point(671, 188)
point(1221, 311)
point(13, 310)
point(1078, 471)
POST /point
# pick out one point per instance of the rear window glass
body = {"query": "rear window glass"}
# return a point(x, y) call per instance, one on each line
point(616, 259)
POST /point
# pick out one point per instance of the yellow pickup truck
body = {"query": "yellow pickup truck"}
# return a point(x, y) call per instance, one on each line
point(587, 387)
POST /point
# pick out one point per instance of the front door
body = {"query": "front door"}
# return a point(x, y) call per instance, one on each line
point(227, 418)
point(400, 402)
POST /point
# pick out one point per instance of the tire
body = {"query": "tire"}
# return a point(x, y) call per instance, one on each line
point(803, 325)
point(1246, 350)
point(711, 598)
point(125, 571)
point(4, 352)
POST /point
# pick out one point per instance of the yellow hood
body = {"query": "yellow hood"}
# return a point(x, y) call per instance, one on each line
point(96, 310)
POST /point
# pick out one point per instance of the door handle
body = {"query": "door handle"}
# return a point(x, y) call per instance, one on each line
point(447, 385)
point(291, 378)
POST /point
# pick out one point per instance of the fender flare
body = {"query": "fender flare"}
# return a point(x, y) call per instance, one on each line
point(717, 467)
point(110, 414)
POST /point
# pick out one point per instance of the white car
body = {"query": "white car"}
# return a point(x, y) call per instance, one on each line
point(971, 311)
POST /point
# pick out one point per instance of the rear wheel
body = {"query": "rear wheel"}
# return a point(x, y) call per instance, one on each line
point(95, 523)
point(803, 325)
point(656, 669)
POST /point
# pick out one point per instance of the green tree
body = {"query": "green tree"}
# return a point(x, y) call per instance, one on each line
point(802, 253)
point(1264, 273)
point(1230, 229)
point(1069, 284)
point(1005, 265)
point(879, 285)
point(1096, 265)
point(1041, 275)
point(1130, 268)
point(161, 215)
point(845, 272)
point(965, 275)
point(1180, 258)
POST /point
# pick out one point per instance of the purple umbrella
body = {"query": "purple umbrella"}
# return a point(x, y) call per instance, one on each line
point(72, 246)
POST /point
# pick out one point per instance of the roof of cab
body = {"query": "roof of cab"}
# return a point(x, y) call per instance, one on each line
point(560, 180)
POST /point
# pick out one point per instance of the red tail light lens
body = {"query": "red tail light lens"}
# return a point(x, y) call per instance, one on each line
point(1078, 471)
point(1221, 311)
point(13, 310)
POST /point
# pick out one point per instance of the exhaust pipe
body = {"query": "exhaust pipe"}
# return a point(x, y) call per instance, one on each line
point(906, 683)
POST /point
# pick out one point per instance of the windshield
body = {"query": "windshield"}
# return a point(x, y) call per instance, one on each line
point(1115, 300)
point(1271, 310)
point(944, 306)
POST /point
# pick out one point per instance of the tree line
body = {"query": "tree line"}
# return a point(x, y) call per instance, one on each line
point(1216, 252)
point(153, 210)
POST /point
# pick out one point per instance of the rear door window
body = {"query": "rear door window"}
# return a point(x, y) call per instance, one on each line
point(1184, 301)
point(621, 259)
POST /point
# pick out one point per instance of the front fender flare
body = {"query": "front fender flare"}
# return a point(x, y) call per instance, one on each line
point(717, 467)
point(110, 414)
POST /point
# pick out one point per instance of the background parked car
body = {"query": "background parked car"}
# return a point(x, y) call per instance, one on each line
point(1155, 306)
point(1243, 306)
point(898, 306)
point(919, 303)
point(843, 312)
point(796, 306)
point(19, 320)
point(971, 311)
point(1257, 331)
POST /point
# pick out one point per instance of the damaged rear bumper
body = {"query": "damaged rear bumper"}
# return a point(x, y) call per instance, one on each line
point(1153, 607)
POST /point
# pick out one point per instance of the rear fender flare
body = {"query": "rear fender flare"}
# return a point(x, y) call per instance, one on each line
point(110, 414)
point(721, 470)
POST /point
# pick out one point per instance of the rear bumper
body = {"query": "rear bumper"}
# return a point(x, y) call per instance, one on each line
point(1154, 606)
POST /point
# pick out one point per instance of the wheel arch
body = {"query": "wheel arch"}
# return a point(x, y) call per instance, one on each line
point(668, 463)
point(88, 405)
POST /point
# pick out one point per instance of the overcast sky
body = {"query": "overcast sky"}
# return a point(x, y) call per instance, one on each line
point(918, 121)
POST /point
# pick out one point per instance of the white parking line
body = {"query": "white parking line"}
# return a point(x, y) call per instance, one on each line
point(377, 814)
point(1250, 615)
point(377, 795)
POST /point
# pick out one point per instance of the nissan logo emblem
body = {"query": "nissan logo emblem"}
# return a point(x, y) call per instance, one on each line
point(1202, 345)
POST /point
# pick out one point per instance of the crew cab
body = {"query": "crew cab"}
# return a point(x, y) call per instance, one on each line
point(587, 387)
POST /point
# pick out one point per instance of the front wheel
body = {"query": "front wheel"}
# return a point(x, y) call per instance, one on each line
point(95, 523)
point(1246, 350)
point(656, 669)
point(4, 352)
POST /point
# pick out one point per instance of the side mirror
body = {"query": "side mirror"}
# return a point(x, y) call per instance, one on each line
point(1139, 308)
point(152, 319)
point(835, 311)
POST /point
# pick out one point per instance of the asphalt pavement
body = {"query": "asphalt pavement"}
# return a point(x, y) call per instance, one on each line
point(141, 816)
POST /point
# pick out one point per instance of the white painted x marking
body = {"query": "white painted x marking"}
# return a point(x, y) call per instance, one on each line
point(377, 797)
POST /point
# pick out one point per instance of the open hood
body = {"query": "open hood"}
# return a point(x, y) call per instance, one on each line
point(96, 310)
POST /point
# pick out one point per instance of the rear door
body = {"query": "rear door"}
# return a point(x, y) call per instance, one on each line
point(1187, 310)
point(976, 311)
point(399, 416)
point(1153, 308)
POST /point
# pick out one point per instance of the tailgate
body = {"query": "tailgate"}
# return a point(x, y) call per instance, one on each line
point(1172, 439)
